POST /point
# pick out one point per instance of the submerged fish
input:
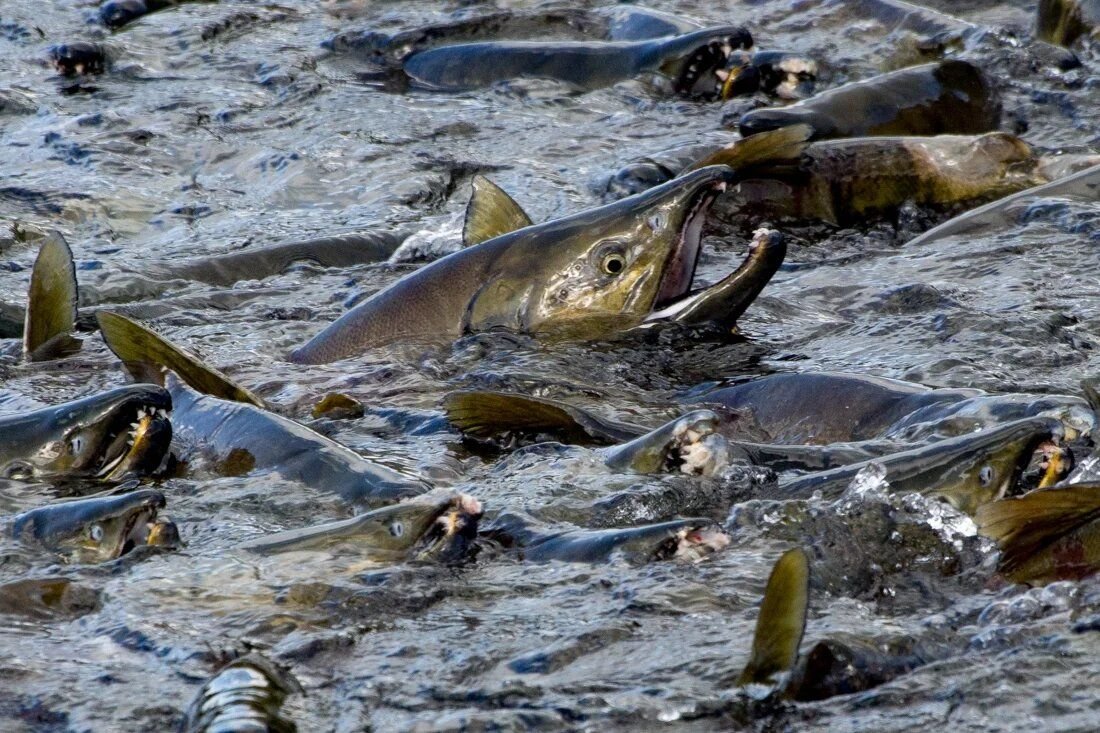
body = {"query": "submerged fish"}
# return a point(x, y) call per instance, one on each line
point(681, 539)
point(98, 529)
point(104, 436)
point(1064, 21)
point(690, 60)
point(1046, 535)
point(244, 695)
point(588, 275)
point(967, 471)
point(438, 525)
point(952, 96)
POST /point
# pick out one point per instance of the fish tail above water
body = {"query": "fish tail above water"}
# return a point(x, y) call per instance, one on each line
point(145, 354)
point(490, 213)
point(51, 303)
point(489, 415)
point(245, 694)
point(782, 620)
point(1035, 532)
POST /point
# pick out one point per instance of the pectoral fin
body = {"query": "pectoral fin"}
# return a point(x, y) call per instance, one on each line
point(51, 303)
point(487, 415)
point(145, 353)
point(1024, 526)
point(782, 619)
point(490, 213)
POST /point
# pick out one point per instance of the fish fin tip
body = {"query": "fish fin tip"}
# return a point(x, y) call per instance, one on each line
point(51, 302)
point(490, 213)
point(782, 619)
point(1024, 525)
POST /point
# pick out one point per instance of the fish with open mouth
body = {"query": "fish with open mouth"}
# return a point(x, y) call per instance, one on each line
point(105, 436)
point(586, 276)
point(99, 528)
point(439, 525)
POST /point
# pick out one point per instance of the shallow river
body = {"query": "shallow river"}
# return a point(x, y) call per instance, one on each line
point(226, 125)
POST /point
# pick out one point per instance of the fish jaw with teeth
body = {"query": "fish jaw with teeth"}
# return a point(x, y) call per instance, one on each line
point(102, 436)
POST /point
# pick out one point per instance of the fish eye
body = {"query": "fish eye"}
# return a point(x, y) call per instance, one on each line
point(397, 529)
point(656, 222)
point(986, 475)
point(96, 532)
point(76, 445)
point(613, 263)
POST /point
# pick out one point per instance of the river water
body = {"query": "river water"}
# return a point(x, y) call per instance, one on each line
point(226, 125)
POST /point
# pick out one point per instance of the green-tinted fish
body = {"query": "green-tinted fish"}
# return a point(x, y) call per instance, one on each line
point(95, 529)
point(438, 525)
point(51, 303)
point(589, 275)
point(1064, 21)
point(967, 471)
point(244, 695)
point(845, 181)
point(782, 620)
point(933, 99)
point(690, 60)
point(1047, 535)
point(103, 436)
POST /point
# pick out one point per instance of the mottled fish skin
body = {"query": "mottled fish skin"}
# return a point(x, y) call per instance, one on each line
point(245, 695)
point(933, 99)
point(247, 438)
point(539, 278)
point(583, 65)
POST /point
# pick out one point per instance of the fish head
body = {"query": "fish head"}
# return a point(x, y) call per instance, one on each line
point(95, 529)
point(685, 540)
point(993, 461)
point(604, 270)
point(696, 62)
point(102, 436)
point(435, 525)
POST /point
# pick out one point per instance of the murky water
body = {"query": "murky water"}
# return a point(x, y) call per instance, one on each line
point(225, 125)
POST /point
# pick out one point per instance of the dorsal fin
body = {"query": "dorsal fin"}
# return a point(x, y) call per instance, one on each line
point(490, 213)
point(51, 303)
point(783, 145)
point(782, 619)
point(1024, 525)
point(487, 415)
point(145, 353)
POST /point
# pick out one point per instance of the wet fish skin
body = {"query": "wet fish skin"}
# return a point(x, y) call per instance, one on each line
point(584, 65)
point(967, 471)
point(549, 277)
point(245, 438)
point(782, 620)
point(1046, 535)
point(92, 530)
point(51, 303)
point(85, 437)
point(539, 543)
point(244, 695)
point(1064, 21)
point(952, 96)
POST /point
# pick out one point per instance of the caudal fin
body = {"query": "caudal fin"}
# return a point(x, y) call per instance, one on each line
point(51, 303)
point(487, 415)
point(145, 353)
point(783, 145)
point(782, 619)
point(1026, 525)
point(490, 213)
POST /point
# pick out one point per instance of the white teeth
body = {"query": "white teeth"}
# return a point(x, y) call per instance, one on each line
point(161, 412)
point(134, 426)
point(107, 469)
point(692, 68)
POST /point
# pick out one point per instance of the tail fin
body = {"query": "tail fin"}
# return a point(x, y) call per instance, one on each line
point(487, 415)
point(145, 353)
point(783, 145)
point(51, 303)
point(490, 213)
point(782, 619)
point(1025, 526)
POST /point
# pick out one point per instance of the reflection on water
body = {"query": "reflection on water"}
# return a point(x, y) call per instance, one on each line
point(219, 126)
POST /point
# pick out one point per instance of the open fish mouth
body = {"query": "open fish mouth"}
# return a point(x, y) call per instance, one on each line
point(136, 440)
point(692, 543)
point(681, 264)
point(450, 536)
point(699, 77)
